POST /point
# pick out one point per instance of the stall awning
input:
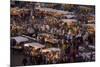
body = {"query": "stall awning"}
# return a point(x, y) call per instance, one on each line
point(51, 49)
point(35, 45)
point(20, 39)
point(53, 10)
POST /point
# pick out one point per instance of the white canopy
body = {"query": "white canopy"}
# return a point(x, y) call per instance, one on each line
point(54, 49)
point(20, 39)
point(35, 45)
point(51, 49)
point(53, 10)
point(69, 16)
point(46, 50)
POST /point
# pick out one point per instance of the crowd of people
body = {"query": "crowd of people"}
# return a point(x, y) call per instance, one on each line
point(68, 37)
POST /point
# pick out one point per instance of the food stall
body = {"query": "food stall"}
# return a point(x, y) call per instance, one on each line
point(33, 48)
point(20, 39)
point(52, 53)
point(18, 43)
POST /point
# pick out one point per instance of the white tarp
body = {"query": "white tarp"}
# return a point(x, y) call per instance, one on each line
point(53, 10)
point(69, 16)
point(20, 39)
point(35, 45)
point(46, 50)
point(54, 49)
point(51, 49)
